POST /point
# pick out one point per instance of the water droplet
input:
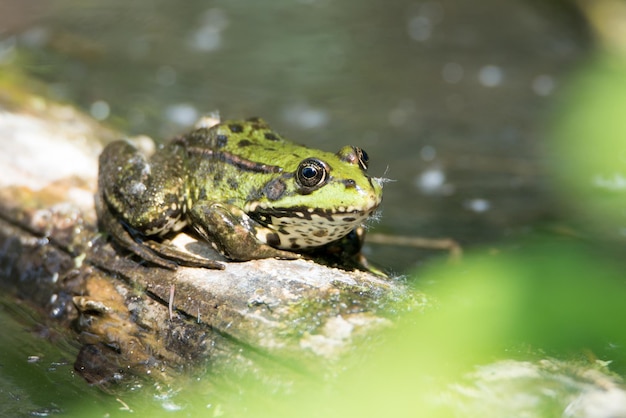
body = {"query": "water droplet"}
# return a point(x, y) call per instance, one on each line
point(477, 205)
point(100, 110)
point(428, 153)
point(182, 114)
point(543, 85)
point(419, 28)
point(452, 72)
point(490, 76)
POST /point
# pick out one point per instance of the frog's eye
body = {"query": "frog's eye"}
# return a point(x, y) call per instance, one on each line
point(311, 174)
point(364, 159)
point(354, 155)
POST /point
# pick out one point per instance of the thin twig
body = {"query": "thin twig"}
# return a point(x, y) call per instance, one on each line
point(171, 304)
point(446, 244)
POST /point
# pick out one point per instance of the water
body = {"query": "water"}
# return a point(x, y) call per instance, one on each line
point(36, 369)
point(449, 98)
point(453, 87)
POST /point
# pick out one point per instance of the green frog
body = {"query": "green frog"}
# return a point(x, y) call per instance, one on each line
point(241, 186)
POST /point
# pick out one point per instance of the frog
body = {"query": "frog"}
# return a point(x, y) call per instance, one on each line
point(238, 185)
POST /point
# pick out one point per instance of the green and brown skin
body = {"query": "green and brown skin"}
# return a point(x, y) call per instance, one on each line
point(239, 185)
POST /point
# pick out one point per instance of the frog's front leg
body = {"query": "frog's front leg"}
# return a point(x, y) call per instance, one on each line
point(234, 234)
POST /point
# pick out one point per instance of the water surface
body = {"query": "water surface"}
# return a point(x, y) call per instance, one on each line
point(449, 98)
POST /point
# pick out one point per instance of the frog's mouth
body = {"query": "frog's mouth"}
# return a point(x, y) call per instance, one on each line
point(305, 227)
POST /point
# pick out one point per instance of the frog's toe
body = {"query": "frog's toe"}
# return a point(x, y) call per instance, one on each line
point(248, 248)
point(265, 251)
point(287, 255)
point(170, 254)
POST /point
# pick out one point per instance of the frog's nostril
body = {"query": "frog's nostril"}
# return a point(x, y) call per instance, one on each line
point(349, 183)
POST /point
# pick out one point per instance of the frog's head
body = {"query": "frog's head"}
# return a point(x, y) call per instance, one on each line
point(316, 199)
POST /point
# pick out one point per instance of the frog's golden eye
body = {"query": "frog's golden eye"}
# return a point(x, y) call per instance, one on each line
point(364, 159)
point(354, 155)
point(311, 174)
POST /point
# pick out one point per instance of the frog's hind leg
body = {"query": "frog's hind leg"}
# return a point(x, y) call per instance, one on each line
point(159, 254)
point(140, 198)
point(169, 252)
point(123, 238)
point(144, 194)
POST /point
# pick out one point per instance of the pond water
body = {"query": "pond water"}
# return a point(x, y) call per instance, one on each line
point(451, 99)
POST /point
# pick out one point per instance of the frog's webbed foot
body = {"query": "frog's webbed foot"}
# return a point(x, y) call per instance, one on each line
point(169, 252)
point(160, 254)
point(233, 233)
point(346, 253)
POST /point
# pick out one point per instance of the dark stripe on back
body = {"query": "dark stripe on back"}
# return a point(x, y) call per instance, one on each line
point(240, 163)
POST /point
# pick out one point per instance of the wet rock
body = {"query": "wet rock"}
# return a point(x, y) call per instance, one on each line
point(131, 318)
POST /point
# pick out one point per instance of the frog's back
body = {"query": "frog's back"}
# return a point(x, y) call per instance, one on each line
point(231, 160)
point(228, 161)
point(244, 143)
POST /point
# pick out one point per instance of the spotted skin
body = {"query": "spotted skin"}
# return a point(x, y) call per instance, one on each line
point(240, 186)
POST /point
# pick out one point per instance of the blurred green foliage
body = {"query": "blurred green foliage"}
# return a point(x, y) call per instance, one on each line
point(547, 298)
point(588, 149)
point(552, 296)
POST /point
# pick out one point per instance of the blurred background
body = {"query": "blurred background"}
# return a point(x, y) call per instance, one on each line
point(500, 122)
point(449, 98)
